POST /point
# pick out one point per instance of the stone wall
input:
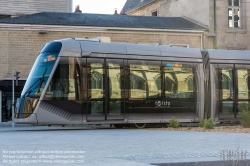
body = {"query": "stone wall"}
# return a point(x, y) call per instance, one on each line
point(202, 12)
point(146, 10)
point(196, 10)
point(232, 38)
point(19, 48)
point(20, 7)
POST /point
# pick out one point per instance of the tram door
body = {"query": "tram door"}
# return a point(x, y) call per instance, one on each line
point(105, 94)
point(234, 89)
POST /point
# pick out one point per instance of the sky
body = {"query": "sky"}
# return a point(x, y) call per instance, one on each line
point(99, 6)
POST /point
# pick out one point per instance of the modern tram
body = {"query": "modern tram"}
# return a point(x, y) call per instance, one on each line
point(87, 81)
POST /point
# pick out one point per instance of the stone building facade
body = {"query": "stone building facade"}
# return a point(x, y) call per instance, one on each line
point(228, 21)
point(13, 8)
point(20, 54)
point(20, 43)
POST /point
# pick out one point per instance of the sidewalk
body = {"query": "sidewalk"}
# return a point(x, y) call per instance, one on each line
point(9, 123)
point(5, 126)
point(107, 146)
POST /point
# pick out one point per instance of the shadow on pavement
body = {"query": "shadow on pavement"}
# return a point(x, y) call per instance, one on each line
point(208, 163)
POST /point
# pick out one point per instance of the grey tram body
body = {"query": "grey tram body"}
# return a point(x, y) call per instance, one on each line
point(226, 82)
point(45, 113)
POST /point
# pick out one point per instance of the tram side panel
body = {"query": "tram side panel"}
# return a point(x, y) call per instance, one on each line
point(185, 96)
point(158, 94)
point(145, 92)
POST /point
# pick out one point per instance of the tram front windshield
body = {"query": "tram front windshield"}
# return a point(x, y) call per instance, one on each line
point(41, 70)
point(39, 74)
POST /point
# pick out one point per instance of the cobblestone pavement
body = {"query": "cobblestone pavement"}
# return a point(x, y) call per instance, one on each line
point(101, 145)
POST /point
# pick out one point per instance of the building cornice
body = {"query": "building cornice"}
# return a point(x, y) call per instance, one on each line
point(89, 28)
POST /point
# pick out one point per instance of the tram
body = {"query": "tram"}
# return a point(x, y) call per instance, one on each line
point(88, 81)
point(227, 83)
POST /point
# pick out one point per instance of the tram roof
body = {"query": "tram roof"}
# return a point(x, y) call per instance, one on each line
point(230, 55)
point(153, 52)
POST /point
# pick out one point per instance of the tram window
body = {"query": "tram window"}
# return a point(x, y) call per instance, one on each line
point(178, 80)
point(96, 81)
point(65, 84)
point(95, 70)
point(145, 79)
point(225, 80)
point(116, 78)
point(243, 81)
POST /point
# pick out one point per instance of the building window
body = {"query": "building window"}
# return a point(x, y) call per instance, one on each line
point(154, 13)
point(234, 13)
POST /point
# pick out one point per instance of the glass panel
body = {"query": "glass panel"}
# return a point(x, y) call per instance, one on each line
point(39, 74)
point(145, 91)
point(114, 108)
point(230, 23)
point(236, 3)
point(233, 3)
point(243, 83)
point(226, 110)
point(115, 84)
point(95, 78)
point(230, 12)
point(179, 80)
point(95, 70)
point(65, 81)
point(236, 18)
point(145, 79)
point(230, 19)
point(97, 108)
point(242, 105)
point(226, 82)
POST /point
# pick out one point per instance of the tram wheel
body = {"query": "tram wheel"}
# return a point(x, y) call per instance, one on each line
point(119, 126)
point(140, 125)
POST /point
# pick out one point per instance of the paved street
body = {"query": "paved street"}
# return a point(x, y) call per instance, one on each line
point(101, 145)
